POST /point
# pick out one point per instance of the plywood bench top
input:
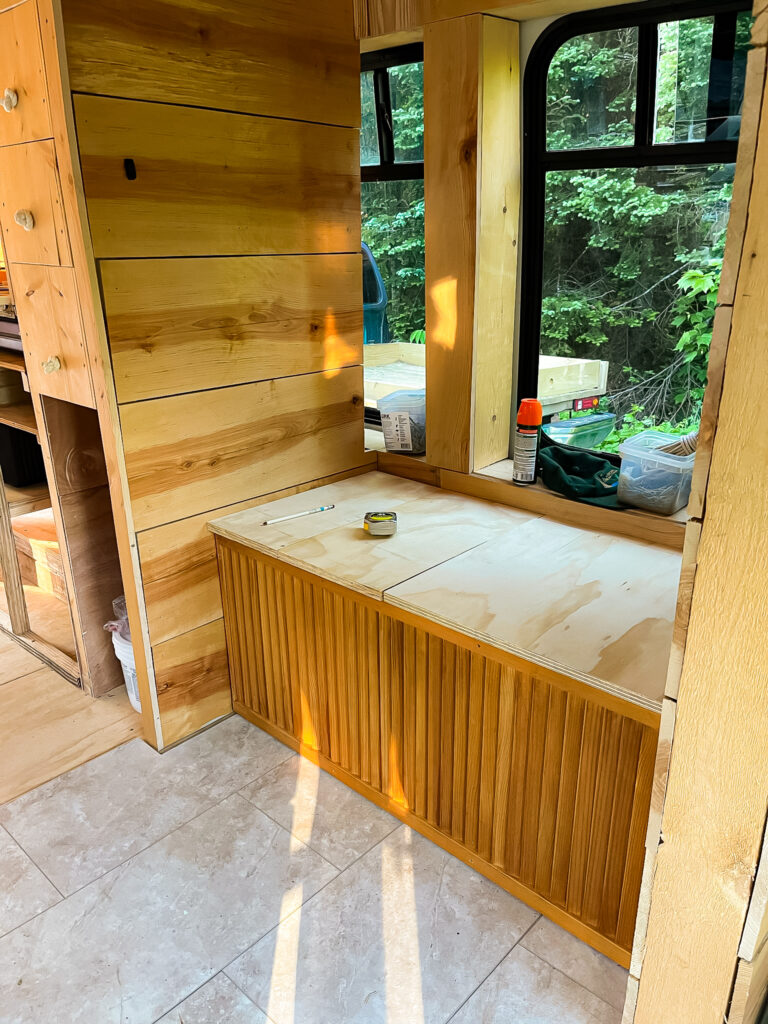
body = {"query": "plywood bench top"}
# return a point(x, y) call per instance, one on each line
point(594, 606)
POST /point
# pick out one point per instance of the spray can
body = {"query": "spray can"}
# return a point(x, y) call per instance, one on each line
point(527, 433)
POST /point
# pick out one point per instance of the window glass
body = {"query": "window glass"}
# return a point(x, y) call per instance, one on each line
point(406, 90)
point(591, 91)
point(393, 228)
point(631, 268)
point(682, 82)
point(369, 138)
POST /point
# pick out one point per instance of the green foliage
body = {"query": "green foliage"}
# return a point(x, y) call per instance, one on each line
point(393, 211)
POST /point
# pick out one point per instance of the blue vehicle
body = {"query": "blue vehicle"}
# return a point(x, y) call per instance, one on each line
point(375, 324)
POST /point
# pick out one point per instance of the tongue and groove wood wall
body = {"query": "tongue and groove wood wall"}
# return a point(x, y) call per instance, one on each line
point(219, 150)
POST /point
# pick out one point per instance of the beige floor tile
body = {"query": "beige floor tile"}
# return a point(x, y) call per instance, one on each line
point(526, 990)
point(86, 822)
point(136, 942)
point(217, 1002)
point(579, 961)
point(24, 889)
point(321, 811)
point(403, 937)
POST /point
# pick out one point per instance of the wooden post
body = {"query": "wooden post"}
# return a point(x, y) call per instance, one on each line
point(715, 808)
point(471, 70)
point(9, 564)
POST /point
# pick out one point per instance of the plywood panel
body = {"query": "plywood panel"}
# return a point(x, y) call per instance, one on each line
point(185, 325)
point(285, 59)
point(483, 754)
point(184, 453)
point(211, 183)
point(192, 680)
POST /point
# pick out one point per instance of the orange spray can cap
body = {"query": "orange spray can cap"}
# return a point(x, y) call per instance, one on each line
point(530, 413)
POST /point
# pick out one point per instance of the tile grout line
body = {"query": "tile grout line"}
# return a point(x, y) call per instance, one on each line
point(301, 906)
point(565, 974)
point(62, 899)
point(137, 853)
point(511, 949)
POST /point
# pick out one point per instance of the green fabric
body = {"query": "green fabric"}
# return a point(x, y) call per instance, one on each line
point(579, 474)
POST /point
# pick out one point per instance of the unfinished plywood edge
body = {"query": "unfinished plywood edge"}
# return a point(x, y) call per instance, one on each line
point(62, 116)
point(661, 771)
point(47, 653)
point(408, 467)
point(755, 932)
point(749, 990)
point(643, 909)
point(683, 607)
point(630, 1001)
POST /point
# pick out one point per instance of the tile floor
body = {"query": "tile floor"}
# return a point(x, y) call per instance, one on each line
point(230, 882)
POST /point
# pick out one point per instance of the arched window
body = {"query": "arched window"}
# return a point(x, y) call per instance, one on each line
point(631, 123)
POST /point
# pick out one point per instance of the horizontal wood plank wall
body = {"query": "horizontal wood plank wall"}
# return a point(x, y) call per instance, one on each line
point(189, 324)
point(212, 183)
point(296, 60)
point(219, 148)
point(544, 789)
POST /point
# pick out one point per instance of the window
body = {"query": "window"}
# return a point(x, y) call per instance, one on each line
point(392, 200)
point(631, 125)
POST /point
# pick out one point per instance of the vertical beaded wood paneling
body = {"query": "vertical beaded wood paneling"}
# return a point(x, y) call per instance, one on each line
point(545, 785)
point(531, 778)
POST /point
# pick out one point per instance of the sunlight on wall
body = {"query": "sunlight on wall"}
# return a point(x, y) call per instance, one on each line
point(337, 352)
point(400, 926)
point(443, 307)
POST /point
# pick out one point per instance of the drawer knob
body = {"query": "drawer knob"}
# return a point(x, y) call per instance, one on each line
point(10, 100)
point(25, 219)
point(51, 364)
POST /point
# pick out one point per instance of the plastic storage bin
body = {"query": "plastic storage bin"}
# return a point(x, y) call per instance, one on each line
point(404, 421)
point(652, 479)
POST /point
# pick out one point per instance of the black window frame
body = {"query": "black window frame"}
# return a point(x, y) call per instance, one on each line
point(379, 62)
point(538, 160)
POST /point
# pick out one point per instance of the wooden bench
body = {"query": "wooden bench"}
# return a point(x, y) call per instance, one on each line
point(489, 676)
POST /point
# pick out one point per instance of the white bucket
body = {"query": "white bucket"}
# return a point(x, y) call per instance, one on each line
point(124, 652)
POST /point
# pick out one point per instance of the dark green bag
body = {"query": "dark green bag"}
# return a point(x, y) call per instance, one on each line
point(579, 474)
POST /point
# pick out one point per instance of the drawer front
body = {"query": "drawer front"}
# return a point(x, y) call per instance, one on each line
point(34, 227)
point(25, 115)
point(52, 333)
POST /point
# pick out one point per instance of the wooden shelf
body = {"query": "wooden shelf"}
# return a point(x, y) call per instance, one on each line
point(20, 415)
point(12, 361)
point(27, 499)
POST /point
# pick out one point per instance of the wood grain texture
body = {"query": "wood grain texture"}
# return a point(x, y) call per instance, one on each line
point(183, 453)
point(21, 58)
point(286, 59)
point(190, 324)
point(178, 565)
point(49, 316)
point(48, 727)
point(447, 727)
point(13, 587)
point(192, 680)
point(451, 82)
point(211, 183)
point(29, 180)
point(714, 814)
point(85, 520)
point(499, 169)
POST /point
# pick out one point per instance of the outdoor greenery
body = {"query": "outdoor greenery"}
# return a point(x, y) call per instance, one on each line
point(393, 211)
point(632, 256)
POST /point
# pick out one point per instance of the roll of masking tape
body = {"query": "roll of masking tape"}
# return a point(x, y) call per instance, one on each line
point(380, 524)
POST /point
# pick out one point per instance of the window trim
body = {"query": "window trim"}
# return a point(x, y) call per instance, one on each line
point(379, 62)
point(538, 160)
